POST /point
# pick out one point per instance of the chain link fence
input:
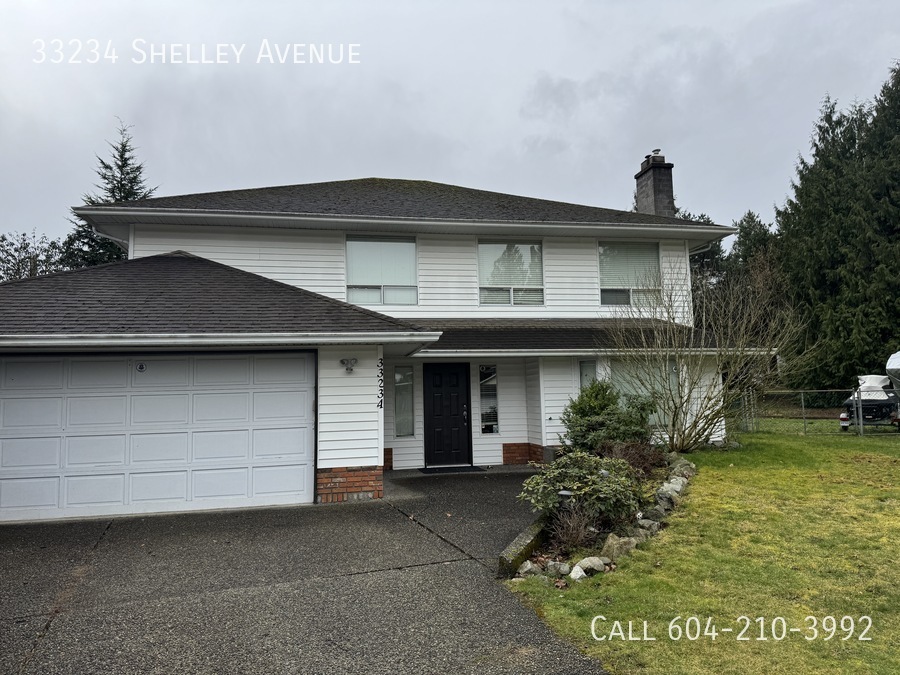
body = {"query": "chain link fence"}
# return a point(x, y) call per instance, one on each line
point(827, 411)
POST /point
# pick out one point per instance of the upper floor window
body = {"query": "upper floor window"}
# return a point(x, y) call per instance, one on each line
point(629, 273)
point(510, 273)
point(381, 271)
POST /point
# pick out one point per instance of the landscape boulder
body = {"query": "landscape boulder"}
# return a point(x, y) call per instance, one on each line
point(615, 547)
point(558, 569)
point(529, 569)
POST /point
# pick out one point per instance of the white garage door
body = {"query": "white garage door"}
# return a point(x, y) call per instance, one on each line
point(85, 436)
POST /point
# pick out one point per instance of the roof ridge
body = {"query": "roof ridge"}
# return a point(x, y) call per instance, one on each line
point(77, 270)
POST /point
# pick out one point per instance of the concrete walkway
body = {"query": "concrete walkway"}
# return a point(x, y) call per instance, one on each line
point(402, 585)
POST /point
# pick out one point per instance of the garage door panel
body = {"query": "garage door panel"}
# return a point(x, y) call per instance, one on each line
point(219, 445)
point(20, 493)
point(282, 370)
point(219, 483)
point(222, 407)
point(159, 448)
point(31, 413)
point(95, 490)
point(87, 451)
point(33, 374)
point(156, 372)
point(279, 480)
point(30, 453)
point(90, 374)
point(228, 371)
point(275, 443)
point(159, 409)
point(119, 434)
point(159, 486)
point(89, 411)
point(280, 405)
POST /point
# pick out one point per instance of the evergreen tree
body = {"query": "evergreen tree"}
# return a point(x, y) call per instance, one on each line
point(121, 180)
point(839, 239)
point(754, 238)
point(707, 266)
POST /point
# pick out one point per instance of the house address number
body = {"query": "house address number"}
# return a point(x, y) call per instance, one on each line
point(380, 383)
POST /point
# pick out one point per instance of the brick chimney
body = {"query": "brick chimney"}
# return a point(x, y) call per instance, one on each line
point(655, 194)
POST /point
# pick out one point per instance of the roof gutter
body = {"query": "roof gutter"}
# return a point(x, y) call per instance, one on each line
point(498, 353)
point(210, 340)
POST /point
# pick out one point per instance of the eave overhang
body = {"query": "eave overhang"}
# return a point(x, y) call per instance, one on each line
point(116, 222)
point(395, 343)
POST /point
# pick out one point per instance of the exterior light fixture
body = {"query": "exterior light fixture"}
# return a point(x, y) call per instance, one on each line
point(348, 364)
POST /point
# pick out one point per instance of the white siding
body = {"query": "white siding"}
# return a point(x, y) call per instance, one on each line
point(448, 273)
point(560, 381)
point(349, 419)
point(534, 401)
point(572, 274)
point(409, 452)
point(676, 278)
point(313, 260)
point(447, 268)
point(487, 449)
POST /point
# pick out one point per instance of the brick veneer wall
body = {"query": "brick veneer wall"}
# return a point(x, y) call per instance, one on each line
point(351, 483)
point(522, 453)
point(388, 459)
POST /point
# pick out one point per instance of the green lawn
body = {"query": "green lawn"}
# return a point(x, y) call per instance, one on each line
point(786, 526)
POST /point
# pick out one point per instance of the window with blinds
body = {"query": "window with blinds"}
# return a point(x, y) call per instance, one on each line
point(381, 271)
point(629, 273)
point(510, 273)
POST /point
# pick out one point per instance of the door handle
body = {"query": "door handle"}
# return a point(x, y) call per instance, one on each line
point(465, 414)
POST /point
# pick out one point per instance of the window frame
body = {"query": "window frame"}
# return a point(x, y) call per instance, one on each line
point(412, 399)
point(511, 289)
point(496, 396)
point(381, 287)
point(630, 290)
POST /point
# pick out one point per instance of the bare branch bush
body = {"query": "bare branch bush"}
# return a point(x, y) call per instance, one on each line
point(696, 372)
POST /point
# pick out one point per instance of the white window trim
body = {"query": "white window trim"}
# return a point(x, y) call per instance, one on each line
point(379, 238)
point(629, 289)
point(511, 289)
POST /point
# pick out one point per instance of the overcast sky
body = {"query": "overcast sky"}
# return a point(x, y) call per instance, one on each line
point(559, 100)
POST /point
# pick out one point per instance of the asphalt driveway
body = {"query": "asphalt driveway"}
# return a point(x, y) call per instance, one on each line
point(401, 585)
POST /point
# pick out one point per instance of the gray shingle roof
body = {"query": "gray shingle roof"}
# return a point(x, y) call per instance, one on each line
point(396, 198)
point(175, 293)
point(535, 335)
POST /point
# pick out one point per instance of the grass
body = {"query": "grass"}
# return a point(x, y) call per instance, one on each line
point(817, 426)
point(785, 526)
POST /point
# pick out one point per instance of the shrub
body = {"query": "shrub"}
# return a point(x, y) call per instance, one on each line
point(572, 527)
point(596, 416)
point(643, 457)
point(606, 489)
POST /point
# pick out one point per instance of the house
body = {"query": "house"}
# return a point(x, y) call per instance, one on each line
point(285, 345)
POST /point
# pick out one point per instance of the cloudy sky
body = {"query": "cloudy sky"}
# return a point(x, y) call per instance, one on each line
point(559, 100)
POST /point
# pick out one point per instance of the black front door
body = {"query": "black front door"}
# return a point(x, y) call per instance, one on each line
point(448, 439)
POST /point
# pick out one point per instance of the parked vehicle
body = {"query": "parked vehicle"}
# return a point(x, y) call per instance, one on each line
point(875, 401)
